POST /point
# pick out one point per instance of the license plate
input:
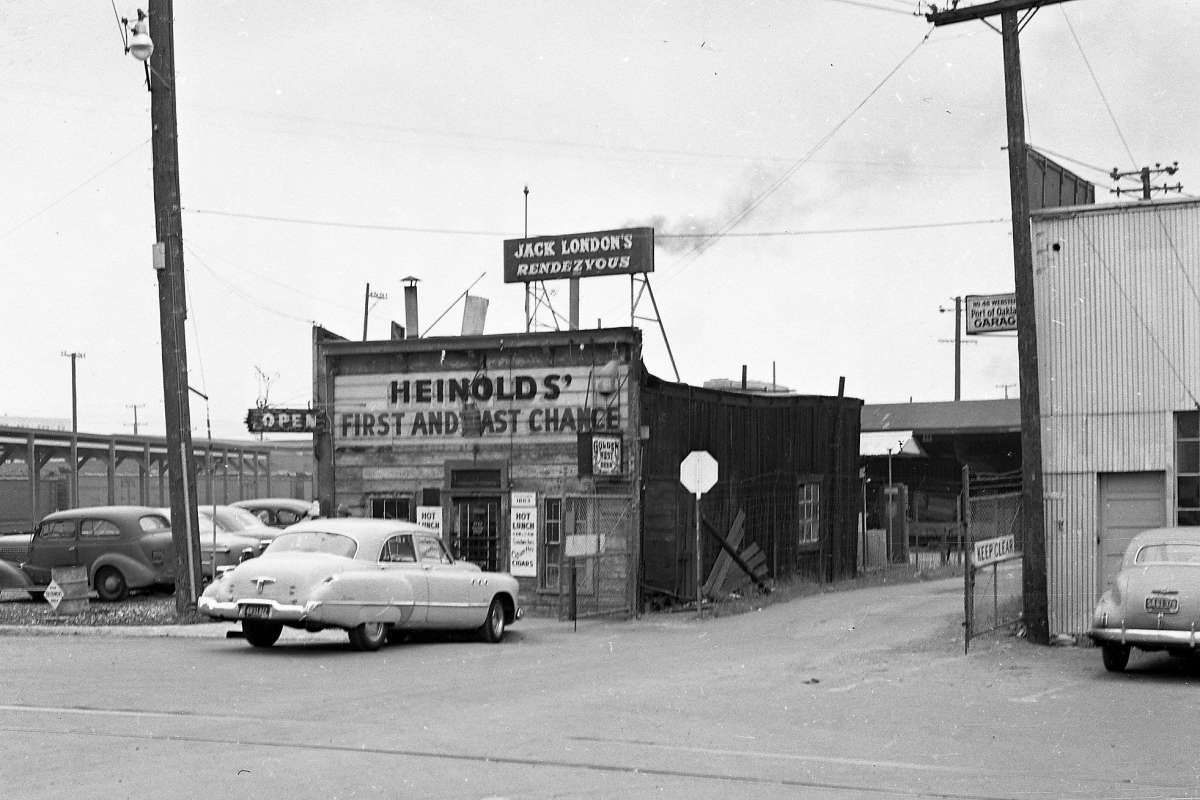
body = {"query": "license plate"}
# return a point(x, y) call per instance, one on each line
point(1157, 604)
point(259, 610)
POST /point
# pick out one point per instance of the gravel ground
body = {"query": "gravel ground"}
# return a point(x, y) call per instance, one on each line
point(17, 608)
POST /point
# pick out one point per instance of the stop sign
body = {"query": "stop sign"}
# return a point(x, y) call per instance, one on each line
point(698, 472)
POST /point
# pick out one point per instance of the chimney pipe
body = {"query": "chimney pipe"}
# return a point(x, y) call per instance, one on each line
point(743, 377)
point(411, 327)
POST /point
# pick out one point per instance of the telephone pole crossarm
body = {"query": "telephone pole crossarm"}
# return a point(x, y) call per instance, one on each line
point(981, 10)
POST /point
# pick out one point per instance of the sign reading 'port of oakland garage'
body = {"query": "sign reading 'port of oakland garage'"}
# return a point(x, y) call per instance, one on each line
point(579, 255)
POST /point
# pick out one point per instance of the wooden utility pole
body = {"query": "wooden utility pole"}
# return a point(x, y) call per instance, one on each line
point(172, 306)
point(74, 430)
point(1036, 605)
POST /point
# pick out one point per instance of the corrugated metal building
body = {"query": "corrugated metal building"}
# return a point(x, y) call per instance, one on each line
point(1118, 318)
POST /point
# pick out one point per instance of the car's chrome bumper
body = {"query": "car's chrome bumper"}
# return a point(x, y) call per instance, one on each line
point(279, 612)
point(1145, 636)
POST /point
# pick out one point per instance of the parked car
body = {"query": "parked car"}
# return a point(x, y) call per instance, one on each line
point(223, 544)
point(374, 578)
point(1154, 601)
point(122, 547)
point(234, 519)
point(280, 512)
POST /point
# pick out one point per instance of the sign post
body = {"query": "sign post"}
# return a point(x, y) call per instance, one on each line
point(698, 473)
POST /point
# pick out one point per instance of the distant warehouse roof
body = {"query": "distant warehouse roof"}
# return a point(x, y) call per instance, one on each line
point(962, 416)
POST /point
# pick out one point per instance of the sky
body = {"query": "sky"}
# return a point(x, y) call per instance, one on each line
point(841, 161)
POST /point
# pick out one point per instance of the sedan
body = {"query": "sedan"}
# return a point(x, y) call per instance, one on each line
point(374, 578)
point(223, 546)
point(1154, 602)
point(280, 512)
point(121, 547)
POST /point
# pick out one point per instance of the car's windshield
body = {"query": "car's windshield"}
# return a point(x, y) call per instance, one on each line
point(237, 519)
point(1169, 553)
point(314, 542)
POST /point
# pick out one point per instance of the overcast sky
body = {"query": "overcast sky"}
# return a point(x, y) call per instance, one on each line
point(327, 146)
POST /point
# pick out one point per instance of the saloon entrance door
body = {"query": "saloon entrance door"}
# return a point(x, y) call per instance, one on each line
point(476, 532)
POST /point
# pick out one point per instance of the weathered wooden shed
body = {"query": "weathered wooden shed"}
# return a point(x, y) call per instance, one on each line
point(787, 490)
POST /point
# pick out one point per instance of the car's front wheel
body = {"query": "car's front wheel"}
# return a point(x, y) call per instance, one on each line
point(493, 627)
point(261, 634)
point(368, 636)
point(110, 584)
point(1115, 656)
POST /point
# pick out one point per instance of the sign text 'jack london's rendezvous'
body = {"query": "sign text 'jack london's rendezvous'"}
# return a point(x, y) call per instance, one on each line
point(531, 403)
point(579, 255)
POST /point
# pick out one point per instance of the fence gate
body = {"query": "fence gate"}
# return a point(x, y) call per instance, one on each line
point(599, 538)
point(993, 596)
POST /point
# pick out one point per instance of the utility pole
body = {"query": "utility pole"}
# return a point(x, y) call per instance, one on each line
point(172, 305)
point(957, 346)
point(1033, 562)
point(135, 407)
point(74, 430)
point(368, 296)
point(1144, 176)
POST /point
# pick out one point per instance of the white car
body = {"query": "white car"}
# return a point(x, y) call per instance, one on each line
point(373, 578)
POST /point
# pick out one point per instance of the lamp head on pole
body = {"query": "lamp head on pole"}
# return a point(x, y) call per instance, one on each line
point(140, 45)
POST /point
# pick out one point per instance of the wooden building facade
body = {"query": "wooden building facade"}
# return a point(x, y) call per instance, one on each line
point(555, 456)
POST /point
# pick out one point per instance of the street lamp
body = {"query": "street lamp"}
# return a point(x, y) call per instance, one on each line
point(74, 429)
point(151, 38)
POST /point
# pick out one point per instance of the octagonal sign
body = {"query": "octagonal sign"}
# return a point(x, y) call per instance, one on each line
point(698, 472)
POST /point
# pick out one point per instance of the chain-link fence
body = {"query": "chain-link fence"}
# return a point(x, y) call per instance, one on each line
point(995, 529)
point(599, 574)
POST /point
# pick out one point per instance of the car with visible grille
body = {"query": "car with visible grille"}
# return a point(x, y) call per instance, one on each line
point(1153, 603)
point(376, 579)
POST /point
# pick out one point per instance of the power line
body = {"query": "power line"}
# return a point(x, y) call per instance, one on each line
point(242, 270)
point(698, 235)
point(354, 225)
point(1141, 319)
point(1096, 81)
point(828, 231)
point(63, 197)
point(696, 252)
point(873, 7)
point(242, 294)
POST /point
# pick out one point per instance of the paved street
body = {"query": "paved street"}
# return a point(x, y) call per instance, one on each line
point(861, 693)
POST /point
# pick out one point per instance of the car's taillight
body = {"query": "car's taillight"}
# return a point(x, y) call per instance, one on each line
point(247, 554)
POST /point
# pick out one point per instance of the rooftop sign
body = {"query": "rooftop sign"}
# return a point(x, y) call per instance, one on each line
point(579, 255)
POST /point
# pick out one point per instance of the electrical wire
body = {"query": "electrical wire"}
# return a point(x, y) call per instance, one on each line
point(335, 224)
point(691, 257)
point(242, 270)
point(63, 197)
point(253, 301)
point(511, 234)
point(1141, 319)
point(833, 231)
point(1096, 81)
point(873, 7)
